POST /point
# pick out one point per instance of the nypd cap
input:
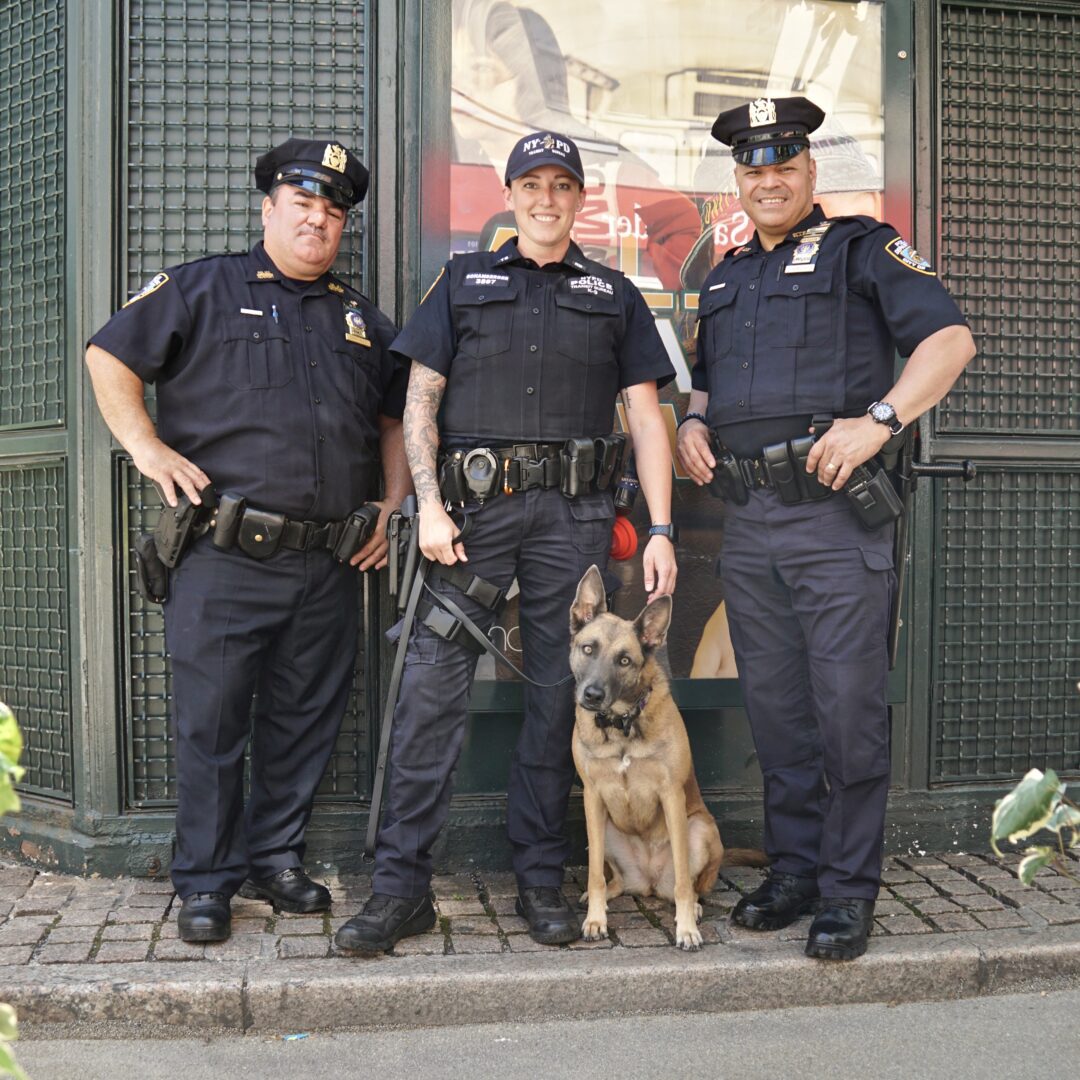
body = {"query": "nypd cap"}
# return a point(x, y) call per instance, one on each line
point(323, 168)
point(544, 148)
point(768, 130)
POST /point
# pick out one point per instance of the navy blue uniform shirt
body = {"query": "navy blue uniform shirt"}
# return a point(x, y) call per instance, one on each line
point(776, 346)
point(532, 353)
point(273, 387)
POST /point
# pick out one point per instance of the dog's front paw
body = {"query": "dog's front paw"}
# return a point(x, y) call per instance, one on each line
point(594, 929)
point(688, 939)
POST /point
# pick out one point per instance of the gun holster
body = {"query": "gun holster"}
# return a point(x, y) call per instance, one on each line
point(727, 482)
point(151, 574)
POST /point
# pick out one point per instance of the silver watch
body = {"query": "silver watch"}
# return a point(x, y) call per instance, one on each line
point(884, 413)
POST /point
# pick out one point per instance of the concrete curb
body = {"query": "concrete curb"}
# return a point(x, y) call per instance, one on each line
point(311, 995)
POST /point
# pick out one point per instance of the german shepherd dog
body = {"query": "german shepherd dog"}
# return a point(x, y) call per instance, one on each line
point(649, 830)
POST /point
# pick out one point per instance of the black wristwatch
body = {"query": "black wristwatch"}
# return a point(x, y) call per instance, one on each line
point(884, 413)
point(670, 531)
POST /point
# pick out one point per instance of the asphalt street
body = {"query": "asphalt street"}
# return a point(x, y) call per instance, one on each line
point(1018, 1036)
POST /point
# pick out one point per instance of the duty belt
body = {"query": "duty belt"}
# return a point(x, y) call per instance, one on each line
point(262, 533)
point(575, 466)
point(781, 468)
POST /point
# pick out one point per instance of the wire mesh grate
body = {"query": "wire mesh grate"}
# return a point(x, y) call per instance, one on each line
point(1008, 636)
point(1010, 214)
point(34, 633)
point(211, 85)
point(32, 283)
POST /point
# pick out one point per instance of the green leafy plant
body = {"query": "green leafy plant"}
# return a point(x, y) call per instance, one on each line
point(1038, 802)
point(11, 745)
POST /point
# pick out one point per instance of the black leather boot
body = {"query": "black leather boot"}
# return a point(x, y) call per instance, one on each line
point(777, 902)
point(384, 921)
point(290, 890)
point(205, 917)
point(840, 929)
point(552, 920)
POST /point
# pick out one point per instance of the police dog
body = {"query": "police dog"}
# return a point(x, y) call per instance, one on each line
point(649, 830)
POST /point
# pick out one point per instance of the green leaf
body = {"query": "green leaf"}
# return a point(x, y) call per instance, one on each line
point(1027, 808)
point(9, 1024)
point(11, 746)
point(1064, 817)
point(8, 1065)
point(1035, 858)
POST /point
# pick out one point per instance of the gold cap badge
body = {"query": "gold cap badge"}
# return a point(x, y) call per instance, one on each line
point(335, 157)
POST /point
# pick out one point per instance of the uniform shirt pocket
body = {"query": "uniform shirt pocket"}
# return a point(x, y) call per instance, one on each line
point(362, 373)
point(716, 321)
point(256, 352)
point(798, 310)
point(485, 319)
point(586, 327)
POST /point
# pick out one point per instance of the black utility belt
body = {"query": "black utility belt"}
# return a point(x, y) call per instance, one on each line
point(574, 466)
point(262, 533)
point(782, 468)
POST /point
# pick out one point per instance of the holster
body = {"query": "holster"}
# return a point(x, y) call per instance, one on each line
point(727, 482)
point(578, 467)
point(452, 478)
point(609, 453)
point(179, 525)
point(359, 526)
point(151, 574)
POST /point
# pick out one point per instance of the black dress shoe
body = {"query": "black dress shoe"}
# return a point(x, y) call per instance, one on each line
point(205, 916)
point(384, 921)
point(840, 929)
point(552, 920)
point(290, 890)
point(777, 902)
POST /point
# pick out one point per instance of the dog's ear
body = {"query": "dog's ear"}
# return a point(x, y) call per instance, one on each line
point(653, 622)
point(589, 601)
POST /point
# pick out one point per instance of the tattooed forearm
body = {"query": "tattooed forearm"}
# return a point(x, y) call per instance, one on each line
point(421, 430)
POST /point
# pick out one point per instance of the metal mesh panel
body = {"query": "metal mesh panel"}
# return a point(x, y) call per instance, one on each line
point(1008, 634)
point(212, 85)
point(1010, 214)
point(34, 678)
point(31, 221)
point(151, 763)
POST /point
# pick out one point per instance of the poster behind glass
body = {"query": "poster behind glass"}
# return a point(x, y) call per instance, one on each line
point(637, 84)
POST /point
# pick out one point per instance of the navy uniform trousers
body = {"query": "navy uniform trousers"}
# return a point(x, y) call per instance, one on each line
point(547, 542)
point(808, 594)
point(284, 628)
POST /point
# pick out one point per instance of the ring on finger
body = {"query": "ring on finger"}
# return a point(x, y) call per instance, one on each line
point(830, 467)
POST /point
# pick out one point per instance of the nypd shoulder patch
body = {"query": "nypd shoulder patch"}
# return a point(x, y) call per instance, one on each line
point(151, 286)
point(904, 253)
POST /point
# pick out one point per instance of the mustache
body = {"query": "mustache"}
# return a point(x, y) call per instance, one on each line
point(313, 230)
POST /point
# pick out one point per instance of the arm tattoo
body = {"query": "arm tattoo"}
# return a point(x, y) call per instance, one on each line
point(422, 400)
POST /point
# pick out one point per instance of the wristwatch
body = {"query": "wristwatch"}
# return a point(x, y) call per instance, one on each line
point(670, 531)
point(884, 413)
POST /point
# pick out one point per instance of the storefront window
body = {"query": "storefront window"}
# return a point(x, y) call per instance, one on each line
point(637, 85)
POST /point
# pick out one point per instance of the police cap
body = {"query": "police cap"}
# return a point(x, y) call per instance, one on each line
point(323, 168)
point(544, 148)
point(768, 130)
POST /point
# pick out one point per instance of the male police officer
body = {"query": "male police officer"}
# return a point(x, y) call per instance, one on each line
point(803, 322)
point(274, 383)
point(526, 349)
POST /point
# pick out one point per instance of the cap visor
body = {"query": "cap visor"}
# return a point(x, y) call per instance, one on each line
point(769, 155)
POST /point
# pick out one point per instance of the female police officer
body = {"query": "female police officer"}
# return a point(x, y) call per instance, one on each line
point(524, 348)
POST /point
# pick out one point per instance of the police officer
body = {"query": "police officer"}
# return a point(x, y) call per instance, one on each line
point(801, 322)
point(275, 383)
point(524, 349)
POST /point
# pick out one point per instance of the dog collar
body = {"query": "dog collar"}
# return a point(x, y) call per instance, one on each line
point(625, 722)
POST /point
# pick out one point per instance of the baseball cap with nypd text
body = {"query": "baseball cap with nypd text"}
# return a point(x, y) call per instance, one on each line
point(544, 148)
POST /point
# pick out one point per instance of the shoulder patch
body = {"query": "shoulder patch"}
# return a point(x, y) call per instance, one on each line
point(904, 253)
point(151, 286)
point(432, 285)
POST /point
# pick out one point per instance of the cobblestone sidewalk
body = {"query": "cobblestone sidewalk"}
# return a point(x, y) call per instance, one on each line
point(48, 918)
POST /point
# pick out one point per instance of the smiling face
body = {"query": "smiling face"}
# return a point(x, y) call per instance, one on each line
point(301, 231)
point(777, 197)
point(544, 202)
